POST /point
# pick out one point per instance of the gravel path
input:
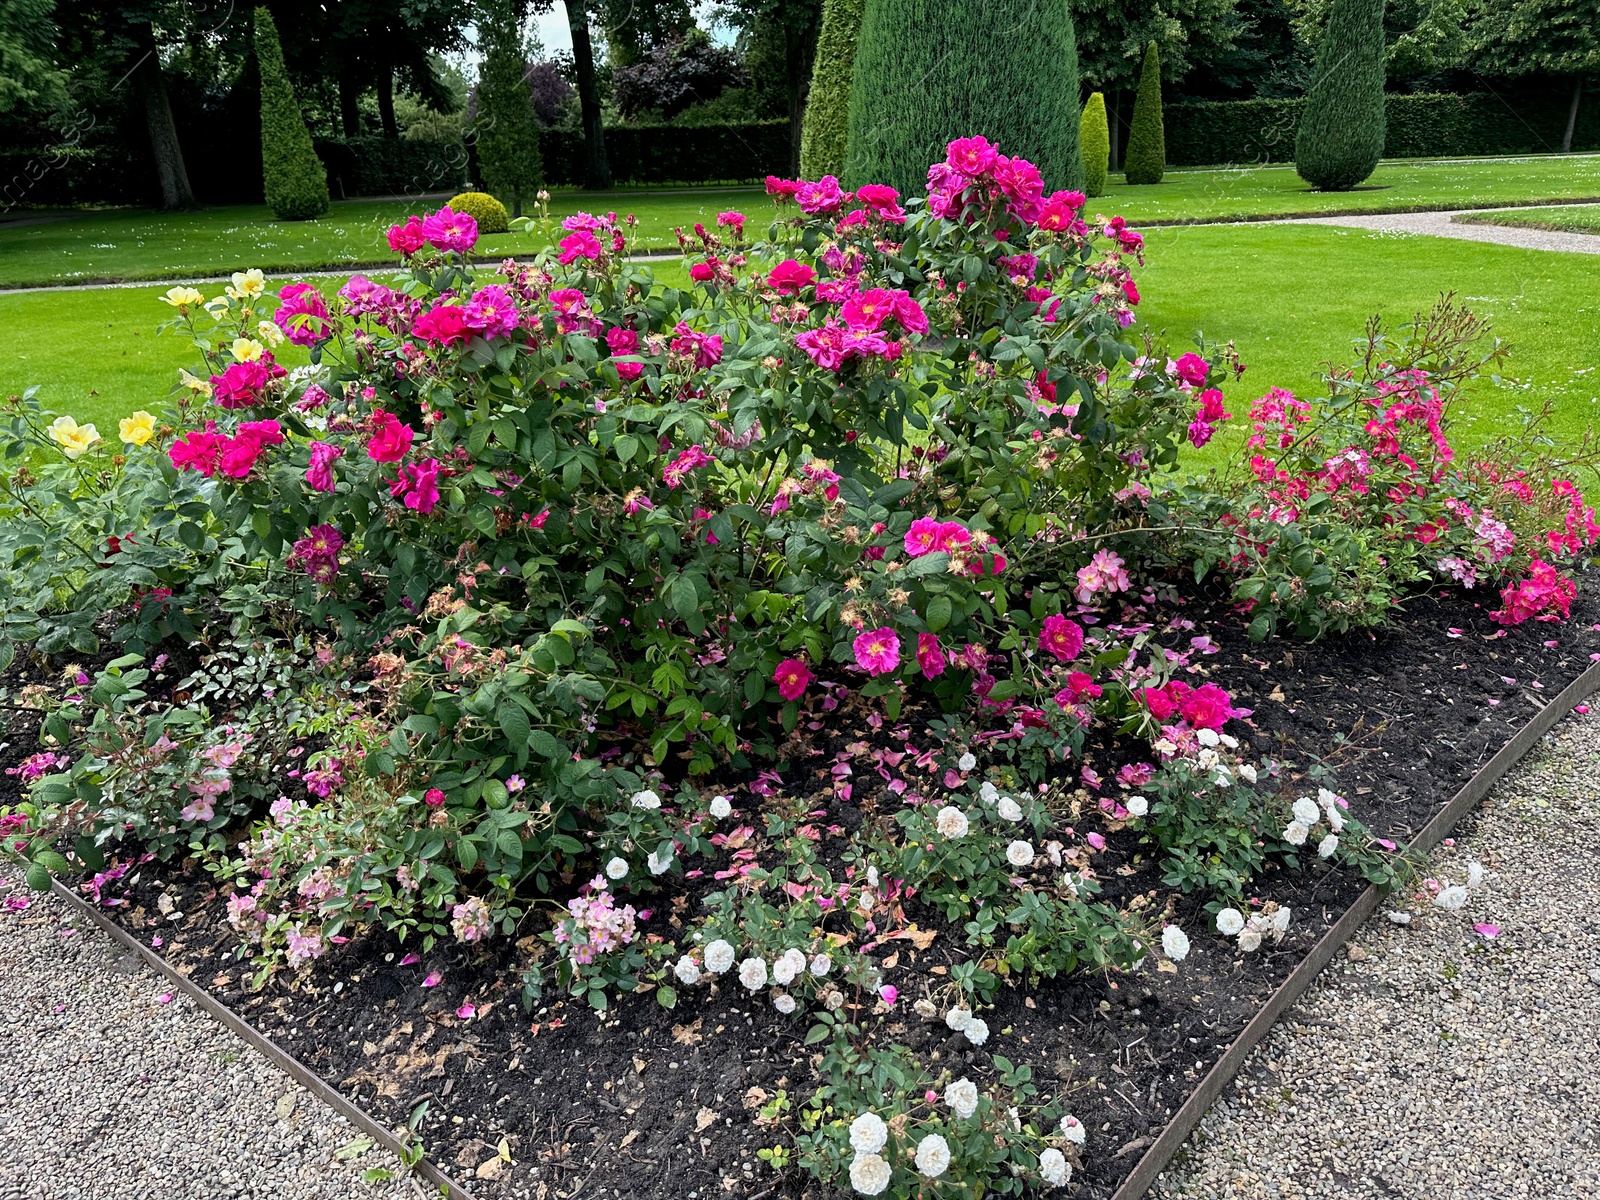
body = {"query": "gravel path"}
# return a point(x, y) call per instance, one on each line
point(1432, 1062)
point(1439, 224)
point(109, 1093)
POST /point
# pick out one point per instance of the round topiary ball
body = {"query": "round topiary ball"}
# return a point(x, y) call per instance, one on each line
point(488, 212)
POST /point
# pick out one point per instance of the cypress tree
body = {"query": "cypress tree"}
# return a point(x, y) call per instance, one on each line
point(930, 71)
point(1146, 157)
point(1340, 138)
point(505, 130)
point(827, 121)
point(1094, 139)
point(296, 184)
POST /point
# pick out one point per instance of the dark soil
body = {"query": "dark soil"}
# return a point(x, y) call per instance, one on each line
point(641, 1102)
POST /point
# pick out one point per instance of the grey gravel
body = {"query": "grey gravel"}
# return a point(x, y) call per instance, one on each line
point(1443, 224)
point(1433, 1062)
point(107, 1093)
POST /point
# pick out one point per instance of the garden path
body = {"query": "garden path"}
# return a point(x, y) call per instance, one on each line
point(117, 1087)
point(1441, 224)
point(1432, 1061)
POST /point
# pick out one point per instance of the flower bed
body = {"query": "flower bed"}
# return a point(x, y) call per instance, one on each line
point(810, 662)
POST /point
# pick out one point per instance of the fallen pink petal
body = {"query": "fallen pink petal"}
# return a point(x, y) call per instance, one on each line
point(432, 980)
point(410, 959)
point(1488, 930)
point(466, 1012)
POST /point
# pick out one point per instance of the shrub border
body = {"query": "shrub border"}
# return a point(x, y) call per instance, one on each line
point(1172, 1137)
point(1171, 1140)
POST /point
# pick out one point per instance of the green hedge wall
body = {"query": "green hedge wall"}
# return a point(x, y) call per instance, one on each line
point(672, 154)
point(380, 166)
point(1209, 133)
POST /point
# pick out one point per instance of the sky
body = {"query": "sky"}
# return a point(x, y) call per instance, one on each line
point(555, 35)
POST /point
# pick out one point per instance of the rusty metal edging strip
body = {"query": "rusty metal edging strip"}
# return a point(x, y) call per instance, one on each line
point(1177, 1132)
point(279, 1057)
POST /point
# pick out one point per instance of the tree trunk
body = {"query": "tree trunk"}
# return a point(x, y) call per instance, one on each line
point(152, 89)
point(594, 133)
point(386, 101)
point(1114, 96)
point(794, 62)
point(349, 93)
point(1572, 114)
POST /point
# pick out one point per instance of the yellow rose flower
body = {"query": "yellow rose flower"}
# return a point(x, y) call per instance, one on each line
point(248, 284)
point(200, 387)
point(246, 349)
point(183, 298)
point(269, 333)
point(137, 429)
point(74, 439)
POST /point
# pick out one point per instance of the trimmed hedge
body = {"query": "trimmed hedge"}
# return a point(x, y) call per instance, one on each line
point(1094, 142)
point(1423, 125)
point(380, 166)
point(1340, 138)
point(296, 183)
point(827, 124)
point(1145, 160)
point(672, 154)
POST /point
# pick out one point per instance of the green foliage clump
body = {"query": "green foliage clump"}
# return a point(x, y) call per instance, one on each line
point(1340, 138)
point(826, 135)
point(926, 74)
point(1094, 143)
point(506, 131)
point(488, 212)
point(296, 184)
point(1146, 160)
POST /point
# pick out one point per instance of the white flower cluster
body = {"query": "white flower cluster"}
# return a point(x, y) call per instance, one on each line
point(754, 972)
point(1175, 943)
point(1006, 807)
point(1211, 760)
point(1259, 927)
point(869, 1171)
point(1309, 813)
point(975, 1029)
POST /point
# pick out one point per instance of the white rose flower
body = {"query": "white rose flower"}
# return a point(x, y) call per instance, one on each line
point(1228, 740)
point(1250, 940)
point(1452, 898)
point(1020, 854)
point(784, 1003)
point(1327, 799)
point(1207, 760)
point(962, 1097)
point(646, 799)
point(1009, 809)
point(721, 806)
point(1229, 922)
point(872, 876)
point(821, 965)
point(616, 868)
point(719, 957)
point(753, 973)
point(868, 1133)
point(660, 859)
point(1207, 737)
point(1247, 772)
point(787, 966)
point(1475, 875)
point(1296, 834)
point(1072, 1129)
point(967, 761)
point(1328, 846)
point(1306, 811)
point(869, 1174)
point(1335, 820)
point(1053, 1168)
point(958, 1018)
point(933, 1155)
point(1137, 806)
point(952, 822)
point(977, 1031)
point(987, 792)
point(833, 999)
point(687, 971)
point(1175, 942)
point(1280, 919)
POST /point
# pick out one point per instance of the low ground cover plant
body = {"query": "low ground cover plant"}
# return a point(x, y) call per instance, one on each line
point(508, 616)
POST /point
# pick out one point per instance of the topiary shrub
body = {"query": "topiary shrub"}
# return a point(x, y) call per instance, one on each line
point(826, 136)
point(926, 74)
point(1094, 144)
point(296, 185)
point(1340, 138)
point(1146, 160)
point(488, 212)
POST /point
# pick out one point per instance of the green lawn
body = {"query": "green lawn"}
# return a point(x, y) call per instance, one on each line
point(1291, 297)
point(130, 244)
point(1566, 218)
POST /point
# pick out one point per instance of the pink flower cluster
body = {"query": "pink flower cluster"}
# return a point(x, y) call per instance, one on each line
point(1104, 573)
point(317, 554)
point(36, 766)
point(444, 230)
point(975, 174)
point(301, 314)
point(675, 472)
point(242, 384)
point(212, 453)
point(596, 925)
point(1203, 707)
point(1545, 595)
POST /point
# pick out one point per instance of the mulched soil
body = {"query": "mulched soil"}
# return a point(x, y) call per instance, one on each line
point(643, 1103)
